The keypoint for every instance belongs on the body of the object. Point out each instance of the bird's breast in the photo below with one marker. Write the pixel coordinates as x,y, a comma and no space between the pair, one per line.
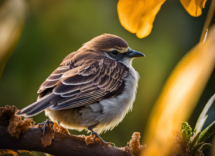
115,108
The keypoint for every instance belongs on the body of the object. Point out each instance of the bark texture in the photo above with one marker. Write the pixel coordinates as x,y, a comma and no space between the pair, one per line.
17,134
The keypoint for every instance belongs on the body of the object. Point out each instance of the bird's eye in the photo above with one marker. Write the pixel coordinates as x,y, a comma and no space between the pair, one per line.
114,52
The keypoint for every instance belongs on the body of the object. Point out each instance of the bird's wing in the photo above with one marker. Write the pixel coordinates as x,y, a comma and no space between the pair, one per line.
86,84
55,76
79,83
52,80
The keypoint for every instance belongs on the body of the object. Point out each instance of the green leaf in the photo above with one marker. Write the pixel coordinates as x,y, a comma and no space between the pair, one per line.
184,135
210,130
205,146
194,140
186,132
203,117
196,148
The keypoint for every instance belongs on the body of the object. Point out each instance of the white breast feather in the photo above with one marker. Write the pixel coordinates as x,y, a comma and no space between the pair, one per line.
115,109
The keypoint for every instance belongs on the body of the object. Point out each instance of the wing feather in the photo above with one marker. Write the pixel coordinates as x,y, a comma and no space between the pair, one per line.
53,79
78,102
86,84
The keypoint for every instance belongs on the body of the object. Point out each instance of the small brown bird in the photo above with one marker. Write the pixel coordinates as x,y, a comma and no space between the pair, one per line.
93,88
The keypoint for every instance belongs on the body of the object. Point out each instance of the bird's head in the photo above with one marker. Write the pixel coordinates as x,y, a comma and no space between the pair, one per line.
113,47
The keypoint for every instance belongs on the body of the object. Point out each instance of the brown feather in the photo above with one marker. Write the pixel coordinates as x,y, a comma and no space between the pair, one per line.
87,75
105,41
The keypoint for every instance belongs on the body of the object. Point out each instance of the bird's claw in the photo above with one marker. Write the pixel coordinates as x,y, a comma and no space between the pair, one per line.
46,124
97,136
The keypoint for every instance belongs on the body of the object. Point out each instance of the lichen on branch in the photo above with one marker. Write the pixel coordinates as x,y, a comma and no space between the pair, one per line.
19,134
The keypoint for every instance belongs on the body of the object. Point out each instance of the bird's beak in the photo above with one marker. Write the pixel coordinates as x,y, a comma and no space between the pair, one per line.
133,53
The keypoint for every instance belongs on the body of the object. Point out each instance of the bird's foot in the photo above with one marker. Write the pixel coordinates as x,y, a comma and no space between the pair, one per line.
46,124
97,136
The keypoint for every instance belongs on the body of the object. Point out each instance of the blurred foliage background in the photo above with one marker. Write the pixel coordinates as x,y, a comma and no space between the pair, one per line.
55,28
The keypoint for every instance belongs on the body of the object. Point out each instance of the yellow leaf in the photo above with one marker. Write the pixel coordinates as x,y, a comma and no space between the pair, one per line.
179,96
193,7
12,14
137,16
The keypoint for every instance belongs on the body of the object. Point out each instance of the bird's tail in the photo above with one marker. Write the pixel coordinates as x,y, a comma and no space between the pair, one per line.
38,106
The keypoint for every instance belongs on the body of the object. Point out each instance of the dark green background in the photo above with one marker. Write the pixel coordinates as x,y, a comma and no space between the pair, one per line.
55,28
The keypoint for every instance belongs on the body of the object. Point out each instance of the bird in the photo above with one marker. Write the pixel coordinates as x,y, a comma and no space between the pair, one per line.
92,89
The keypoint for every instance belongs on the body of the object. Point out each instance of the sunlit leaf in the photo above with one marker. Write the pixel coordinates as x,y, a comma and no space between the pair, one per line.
184,136
193,7
12,14
137,16
179,96
202,118
195,139
210,130
186,132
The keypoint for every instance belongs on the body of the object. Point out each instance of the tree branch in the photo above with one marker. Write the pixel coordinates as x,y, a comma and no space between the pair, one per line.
63,145
15,136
